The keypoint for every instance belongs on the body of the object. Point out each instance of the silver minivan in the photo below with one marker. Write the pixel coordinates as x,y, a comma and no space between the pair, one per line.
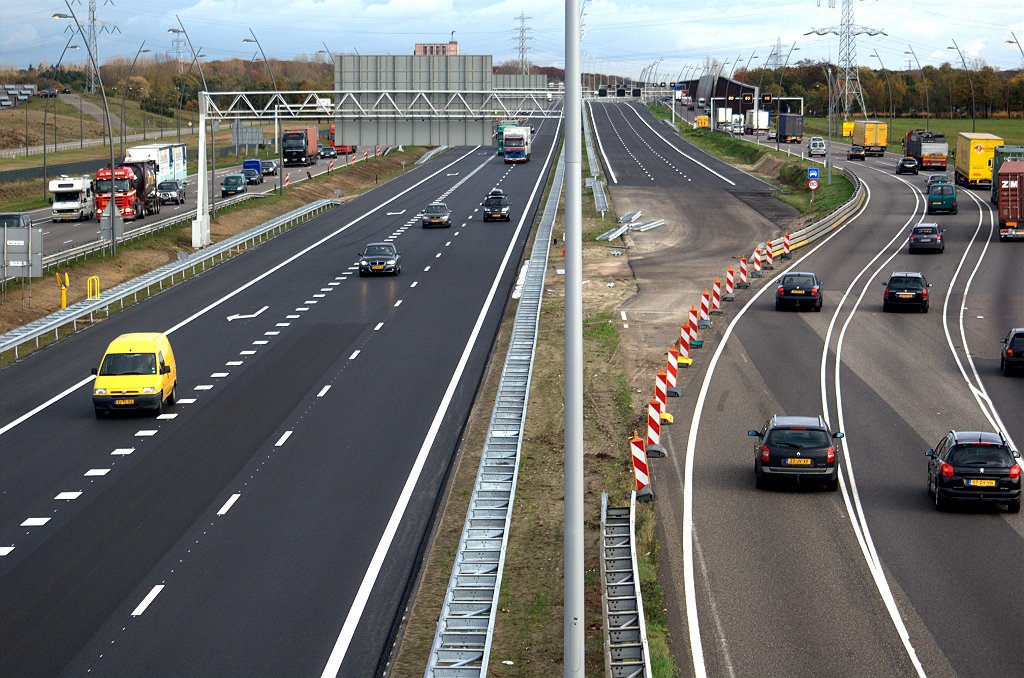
816,146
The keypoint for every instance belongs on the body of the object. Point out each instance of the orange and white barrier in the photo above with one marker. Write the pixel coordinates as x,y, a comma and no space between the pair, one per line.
287,179
716,297
757,273
705,307
684,345
743,274
672,374
378,151
768,254
330,166
366,154
653,446
785,246
641,474
729,281
692,322
661,390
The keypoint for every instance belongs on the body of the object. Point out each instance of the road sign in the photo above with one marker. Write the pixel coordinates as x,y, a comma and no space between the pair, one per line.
766,98
731,97
812,184
748,98
812,172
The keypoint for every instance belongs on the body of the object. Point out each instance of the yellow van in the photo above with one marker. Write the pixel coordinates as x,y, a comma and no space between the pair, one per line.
137,372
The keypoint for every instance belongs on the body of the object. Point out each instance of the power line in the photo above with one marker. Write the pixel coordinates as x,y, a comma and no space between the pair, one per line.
523,39
849,88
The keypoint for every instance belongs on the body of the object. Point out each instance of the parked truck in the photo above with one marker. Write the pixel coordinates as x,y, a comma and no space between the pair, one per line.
756,122
134,185
1010,185
790,128
930,149
873,135
299,146
517,143
1000,155
973,164
72,198
169,158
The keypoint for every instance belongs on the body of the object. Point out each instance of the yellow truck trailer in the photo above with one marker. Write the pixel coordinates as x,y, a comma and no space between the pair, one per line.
974,151
873,135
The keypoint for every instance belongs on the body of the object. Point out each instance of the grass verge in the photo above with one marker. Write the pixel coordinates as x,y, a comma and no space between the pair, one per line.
1010,131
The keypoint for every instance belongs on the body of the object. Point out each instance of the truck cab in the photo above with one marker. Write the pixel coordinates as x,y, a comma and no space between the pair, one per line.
73,198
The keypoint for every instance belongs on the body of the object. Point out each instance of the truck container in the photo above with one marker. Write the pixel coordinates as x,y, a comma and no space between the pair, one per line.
723,115
1000,155
517,144
170,160
974,151
499,132
72,198
790,128
134,187
756,122
930,149
1010,182
873,135
299,146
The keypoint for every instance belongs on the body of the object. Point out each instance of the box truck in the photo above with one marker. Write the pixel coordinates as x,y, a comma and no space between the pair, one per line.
974,151
72,198
298,146
756,122
517,144
873,135
1010,185
1000,155
170,160
929,149
790,128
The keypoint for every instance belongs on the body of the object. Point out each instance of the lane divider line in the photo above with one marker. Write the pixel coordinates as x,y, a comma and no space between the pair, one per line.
680,152
150,597
285,436
228,504
323,391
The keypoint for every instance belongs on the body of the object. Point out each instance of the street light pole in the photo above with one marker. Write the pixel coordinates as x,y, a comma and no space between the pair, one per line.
927,100
888,86
181,94
974,120
46,110
124,93
265,59
778,99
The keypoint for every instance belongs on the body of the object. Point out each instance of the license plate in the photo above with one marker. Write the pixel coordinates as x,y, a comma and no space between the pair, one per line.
127,401
796,291
495,216
798,461
926,239
435,221
905,296
936,203
978,482
378,268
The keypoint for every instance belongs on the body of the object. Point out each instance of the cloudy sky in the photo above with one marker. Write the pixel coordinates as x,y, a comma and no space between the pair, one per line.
621,36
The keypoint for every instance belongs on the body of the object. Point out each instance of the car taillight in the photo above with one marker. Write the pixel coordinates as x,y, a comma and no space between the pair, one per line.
781,291
886,294
814,291
1015,471
764,453
924,294
939,237
830,455
910,239
947,470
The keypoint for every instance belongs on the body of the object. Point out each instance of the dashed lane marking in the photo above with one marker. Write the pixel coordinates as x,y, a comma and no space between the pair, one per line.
283,438
228,504
35,522
124,450
148,433
97,472
69,496
150,597
323,391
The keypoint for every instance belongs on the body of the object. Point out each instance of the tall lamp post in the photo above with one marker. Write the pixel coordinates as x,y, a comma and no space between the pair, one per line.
124,93
265,59
828,156
181,94
888,86
46,110
927,99
114,215
974,120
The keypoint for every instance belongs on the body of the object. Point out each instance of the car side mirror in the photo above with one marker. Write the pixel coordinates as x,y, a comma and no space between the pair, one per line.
95,371
752,433
838,434
929,452
929,284
166,369
1016,454
883,282
1003,340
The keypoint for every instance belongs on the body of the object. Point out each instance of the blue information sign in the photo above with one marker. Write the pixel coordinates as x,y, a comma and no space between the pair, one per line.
812,172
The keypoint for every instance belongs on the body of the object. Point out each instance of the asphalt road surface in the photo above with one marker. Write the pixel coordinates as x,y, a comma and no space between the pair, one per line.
270,523
871,580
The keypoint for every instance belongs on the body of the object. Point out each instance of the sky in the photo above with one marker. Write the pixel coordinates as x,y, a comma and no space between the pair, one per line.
621,36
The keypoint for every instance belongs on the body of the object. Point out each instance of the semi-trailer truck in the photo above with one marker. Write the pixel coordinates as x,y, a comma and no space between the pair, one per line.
517,144
873,135
1010,185
756,122
72,198
1000,155
134,188
499,133
790,128
973,164
930,149
169,158
298,146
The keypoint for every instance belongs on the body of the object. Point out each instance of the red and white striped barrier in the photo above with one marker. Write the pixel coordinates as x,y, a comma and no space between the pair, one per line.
705,307
378,151
672,374
768,255
729,281
692,321
661,390
743,274
330,166
366,154
756,273
716,297
287,179
640,471
654,448
785,246
684,345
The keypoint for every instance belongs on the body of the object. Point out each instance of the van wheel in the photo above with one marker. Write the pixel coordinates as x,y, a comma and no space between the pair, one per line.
159,407
173,397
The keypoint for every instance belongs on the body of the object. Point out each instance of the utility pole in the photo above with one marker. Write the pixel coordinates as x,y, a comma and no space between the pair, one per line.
523,38
849,88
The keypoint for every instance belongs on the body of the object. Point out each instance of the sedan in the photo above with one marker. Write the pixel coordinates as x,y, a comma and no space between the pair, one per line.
437,214
907,165
798,290
252,177
926,237
497,208
976,467
936,179
269,167
905,289
856,153
380,258
328,152
1012,354
795,448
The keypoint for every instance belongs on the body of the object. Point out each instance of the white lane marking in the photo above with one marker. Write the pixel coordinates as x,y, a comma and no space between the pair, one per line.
310,301
379,325
260,342
685,155
66,241
186,401
35,522
415,283
68,495
354,354
238,316
398,303
97,472
323,391
284,437
283,325
448,244
219,375
167,417
353,268
247,353
303,308
233,363
334,283
395,214
426,269
146,433
362,596
228,504
204,387
150,597
319,296
274,333
293,317
622,314
5,550
123,450
49,402
456,232
438,255
600,146
340,277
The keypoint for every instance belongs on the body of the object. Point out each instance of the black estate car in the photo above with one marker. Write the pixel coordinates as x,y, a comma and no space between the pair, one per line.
926,237
380,258
799,290
795,448
974,466
1013,351
497,208
907,165
905,289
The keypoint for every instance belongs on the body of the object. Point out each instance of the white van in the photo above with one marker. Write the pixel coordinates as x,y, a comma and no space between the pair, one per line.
816,146
73,199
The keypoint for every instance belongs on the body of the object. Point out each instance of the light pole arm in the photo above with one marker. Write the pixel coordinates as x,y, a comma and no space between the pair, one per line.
194,52
265,59
969,82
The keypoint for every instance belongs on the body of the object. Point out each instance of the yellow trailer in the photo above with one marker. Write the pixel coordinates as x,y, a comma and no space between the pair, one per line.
873,135
974,151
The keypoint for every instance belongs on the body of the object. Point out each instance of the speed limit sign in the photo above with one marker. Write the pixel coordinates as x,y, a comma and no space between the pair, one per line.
812,184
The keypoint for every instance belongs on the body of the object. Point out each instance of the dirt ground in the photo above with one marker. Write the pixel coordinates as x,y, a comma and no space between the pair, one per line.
143,255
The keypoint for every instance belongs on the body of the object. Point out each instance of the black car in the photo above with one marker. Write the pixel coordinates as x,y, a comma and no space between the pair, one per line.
252,177
799,290
907,165
380,258
437,214
856,153
269,167
905,289
926,237
171,191
974,466
497,208
496,193
1012,355
66,90
795,448
328,152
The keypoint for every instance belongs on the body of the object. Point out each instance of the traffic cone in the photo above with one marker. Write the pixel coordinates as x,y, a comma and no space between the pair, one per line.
640,470
729,280
654,448
716,297
743,274
785,246
672,372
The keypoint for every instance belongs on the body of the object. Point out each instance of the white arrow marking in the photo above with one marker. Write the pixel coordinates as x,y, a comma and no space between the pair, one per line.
395,214
238,316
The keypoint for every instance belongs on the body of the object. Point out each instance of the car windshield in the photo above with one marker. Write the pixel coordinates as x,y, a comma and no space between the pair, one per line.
1017,342
436,209
798,281
906,282
800,439
296,141
495,202
167,186
938,178
249,172
980,455
378,251
856,149
232,181
67,196
116,364
103,185
10,220
268,163
942,189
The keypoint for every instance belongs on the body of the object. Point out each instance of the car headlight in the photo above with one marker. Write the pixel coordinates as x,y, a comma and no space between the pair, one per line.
364,263
303,157
148,389
504,209
391,262
99,391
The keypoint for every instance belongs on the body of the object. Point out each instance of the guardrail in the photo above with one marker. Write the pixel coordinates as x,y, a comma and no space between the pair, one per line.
64,322
833,219
462,642
600,199
595,167
626,652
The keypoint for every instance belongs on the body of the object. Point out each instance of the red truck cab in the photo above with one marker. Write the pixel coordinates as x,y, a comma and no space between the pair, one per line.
124,188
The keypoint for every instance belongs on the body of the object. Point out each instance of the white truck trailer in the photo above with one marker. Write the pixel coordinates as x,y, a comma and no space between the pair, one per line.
73,198
170,160
756,122
517,144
